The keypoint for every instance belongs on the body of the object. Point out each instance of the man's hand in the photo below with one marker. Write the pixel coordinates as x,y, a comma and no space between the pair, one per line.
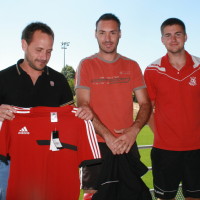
6,112
126,140
121,144
128,135
110,139
85,113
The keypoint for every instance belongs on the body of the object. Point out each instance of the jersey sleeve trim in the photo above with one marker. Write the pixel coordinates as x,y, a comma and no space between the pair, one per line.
196,61
92,139
138,88
82,87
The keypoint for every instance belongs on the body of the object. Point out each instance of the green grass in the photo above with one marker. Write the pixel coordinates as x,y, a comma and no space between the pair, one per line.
81,195
145,137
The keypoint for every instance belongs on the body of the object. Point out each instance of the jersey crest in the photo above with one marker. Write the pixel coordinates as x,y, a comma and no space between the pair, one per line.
193,81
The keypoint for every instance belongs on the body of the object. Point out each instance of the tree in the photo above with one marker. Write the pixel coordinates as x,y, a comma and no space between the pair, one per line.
69,74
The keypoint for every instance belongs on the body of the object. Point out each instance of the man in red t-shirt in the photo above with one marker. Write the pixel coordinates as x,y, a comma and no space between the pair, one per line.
105,82
173,86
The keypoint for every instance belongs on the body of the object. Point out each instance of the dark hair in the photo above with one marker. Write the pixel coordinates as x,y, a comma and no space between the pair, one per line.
108,16
30,29
172,21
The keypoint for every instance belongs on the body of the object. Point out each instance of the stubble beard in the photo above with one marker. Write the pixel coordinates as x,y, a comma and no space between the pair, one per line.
33,66
176,51
104,50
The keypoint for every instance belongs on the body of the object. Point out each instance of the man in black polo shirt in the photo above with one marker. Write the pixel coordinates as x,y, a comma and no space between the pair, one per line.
31,82
17,87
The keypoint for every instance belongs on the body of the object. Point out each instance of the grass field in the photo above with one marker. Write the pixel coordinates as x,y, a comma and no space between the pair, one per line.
145,137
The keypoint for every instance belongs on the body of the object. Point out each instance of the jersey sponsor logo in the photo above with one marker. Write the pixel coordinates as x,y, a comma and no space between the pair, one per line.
193,81
24,131
125,72
110,80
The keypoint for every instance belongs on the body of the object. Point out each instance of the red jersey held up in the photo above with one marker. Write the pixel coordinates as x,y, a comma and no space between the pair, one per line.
37,171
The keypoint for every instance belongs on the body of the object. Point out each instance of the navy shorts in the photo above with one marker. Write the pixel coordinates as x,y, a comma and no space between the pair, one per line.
90,174
170,168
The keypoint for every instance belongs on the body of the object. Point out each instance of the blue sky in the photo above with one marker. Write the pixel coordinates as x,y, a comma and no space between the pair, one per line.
74,21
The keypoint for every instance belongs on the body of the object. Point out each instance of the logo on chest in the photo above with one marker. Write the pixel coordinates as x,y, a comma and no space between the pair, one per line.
24,131
110,80
193,81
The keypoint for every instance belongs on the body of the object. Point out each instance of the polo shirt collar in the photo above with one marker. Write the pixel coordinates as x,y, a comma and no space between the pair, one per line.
189,61
20,70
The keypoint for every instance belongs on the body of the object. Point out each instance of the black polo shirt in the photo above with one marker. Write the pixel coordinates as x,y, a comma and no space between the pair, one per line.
17,89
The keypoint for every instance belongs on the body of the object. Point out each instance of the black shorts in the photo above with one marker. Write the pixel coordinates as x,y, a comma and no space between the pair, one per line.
170,168
89,174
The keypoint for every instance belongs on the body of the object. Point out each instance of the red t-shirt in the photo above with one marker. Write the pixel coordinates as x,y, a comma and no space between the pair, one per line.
176,95
38,173
111,86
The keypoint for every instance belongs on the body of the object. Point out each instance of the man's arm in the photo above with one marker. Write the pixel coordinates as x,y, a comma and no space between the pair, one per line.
151,122
83,100
129,135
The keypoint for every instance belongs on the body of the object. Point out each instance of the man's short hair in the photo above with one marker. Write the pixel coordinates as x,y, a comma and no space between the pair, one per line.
109,16
172,21
30,29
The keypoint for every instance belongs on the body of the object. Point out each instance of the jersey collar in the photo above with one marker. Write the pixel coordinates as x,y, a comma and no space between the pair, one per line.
21,71
189,62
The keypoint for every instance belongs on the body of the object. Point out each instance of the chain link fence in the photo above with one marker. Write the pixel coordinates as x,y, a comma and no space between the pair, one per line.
179,195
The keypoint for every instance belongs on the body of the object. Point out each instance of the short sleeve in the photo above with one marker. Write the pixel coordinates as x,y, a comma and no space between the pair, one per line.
137,77
67,95
82,79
